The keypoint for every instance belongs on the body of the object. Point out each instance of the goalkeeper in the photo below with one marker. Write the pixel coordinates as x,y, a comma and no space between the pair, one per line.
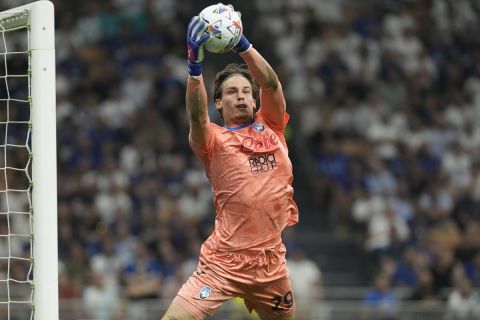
248,167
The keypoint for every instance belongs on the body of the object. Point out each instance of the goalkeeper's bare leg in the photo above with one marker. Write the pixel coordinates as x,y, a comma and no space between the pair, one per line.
175,312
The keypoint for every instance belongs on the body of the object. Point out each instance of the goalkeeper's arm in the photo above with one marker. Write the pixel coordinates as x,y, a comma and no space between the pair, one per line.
196,95
272,100
196,100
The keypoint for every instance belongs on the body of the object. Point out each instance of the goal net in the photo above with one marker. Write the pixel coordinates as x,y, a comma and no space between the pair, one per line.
28,227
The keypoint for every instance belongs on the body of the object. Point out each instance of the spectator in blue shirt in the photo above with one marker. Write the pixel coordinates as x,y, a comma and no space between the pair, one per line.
380,303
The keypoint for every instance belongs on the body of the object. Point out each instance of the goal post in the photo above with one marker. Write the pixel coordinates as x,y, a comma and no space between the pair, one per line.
44,163
43,274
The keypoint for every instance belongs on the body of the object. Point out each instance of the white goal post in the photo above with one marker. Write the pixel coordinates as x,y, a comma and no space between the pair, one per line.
43,184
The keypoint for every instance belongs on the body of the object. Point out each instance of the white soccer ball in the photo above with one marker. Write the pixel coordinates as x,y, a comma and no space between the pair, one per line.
225,26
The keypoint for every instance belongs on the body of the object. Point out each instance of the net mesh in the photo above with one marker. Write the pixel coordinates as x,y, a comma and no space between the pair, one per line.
16,213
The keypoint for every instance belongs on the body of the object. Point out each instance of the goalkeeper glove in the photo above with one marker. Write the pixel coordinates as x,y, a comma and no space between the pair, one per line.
242,46
196,38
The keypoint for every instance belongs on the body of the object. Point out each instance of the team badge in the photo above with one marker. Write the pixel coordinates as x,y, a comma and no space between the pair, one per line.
205,292
259,127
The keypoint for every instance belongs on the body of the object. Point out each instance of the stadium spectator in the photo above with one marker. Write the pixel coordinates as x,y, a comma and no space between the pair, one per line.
306,280
381,303
100,298
463,302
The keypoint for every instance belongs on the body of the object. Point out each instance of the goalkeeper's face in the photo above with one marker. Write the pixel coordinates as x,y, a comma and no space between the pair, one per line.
236,103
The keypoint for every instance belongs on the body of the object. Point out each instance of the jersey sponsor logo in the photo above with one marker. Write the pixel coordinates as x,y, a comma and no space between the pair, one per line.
259,127
264,142
262,163
205,292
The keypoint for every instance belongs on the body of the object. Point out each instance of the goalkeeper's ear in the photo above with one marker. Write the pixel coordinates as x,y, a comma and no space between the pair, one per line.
219,108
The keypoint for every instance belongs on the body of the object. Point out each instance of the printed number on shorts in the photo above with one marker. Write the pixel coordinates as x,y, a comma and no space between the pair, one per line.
287,301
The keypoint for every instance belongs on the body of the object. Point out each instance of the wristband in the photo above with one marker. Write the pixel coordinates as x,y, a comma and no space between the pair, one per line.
242,46
194,69
194,77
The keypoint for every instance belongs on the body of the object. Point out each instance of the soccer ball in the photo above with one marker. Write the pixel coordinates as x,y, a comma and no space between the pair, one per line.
225,26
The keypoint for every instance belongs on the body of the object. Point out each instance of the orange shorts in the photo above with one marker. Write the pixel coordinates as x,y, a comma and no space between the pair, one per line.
205,292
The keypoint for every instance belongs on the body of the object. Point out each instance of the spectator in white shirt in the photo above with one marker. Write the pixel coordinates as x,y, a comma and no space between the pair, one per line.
306,279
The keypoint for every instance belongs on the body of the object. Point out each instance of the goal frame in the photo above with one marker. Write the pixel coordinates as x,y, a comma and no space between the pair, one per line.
44,163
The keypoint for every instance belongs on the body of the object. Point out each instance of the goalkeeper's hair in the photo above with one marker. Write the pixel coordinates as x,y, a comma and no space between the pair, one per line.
231,70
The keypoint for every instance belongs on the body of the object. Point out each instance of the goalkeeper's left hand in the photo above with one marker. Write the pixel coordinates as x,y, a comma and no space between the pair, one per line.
196,38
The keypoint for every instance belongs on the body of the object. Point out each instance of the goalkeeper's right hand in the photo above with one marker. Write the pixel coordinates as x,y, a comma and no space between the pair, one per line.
196,38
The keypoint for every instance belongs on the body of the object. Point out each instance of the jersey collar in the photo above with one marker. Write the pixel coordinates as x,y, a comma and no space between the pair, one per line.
240,126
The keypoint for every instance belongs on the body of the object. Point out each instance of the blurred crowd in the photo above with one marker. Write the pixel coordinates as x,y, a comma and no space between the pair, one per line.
389,93
385,104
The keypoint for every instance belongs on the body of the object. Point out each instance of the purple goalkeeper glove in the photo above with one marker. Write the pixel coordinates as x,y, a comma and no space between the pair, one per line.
242,46
196,38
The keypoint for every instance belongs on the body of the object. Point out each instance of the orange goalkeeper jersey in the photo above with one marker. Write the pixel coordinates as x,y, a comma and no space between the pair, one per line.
251,176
